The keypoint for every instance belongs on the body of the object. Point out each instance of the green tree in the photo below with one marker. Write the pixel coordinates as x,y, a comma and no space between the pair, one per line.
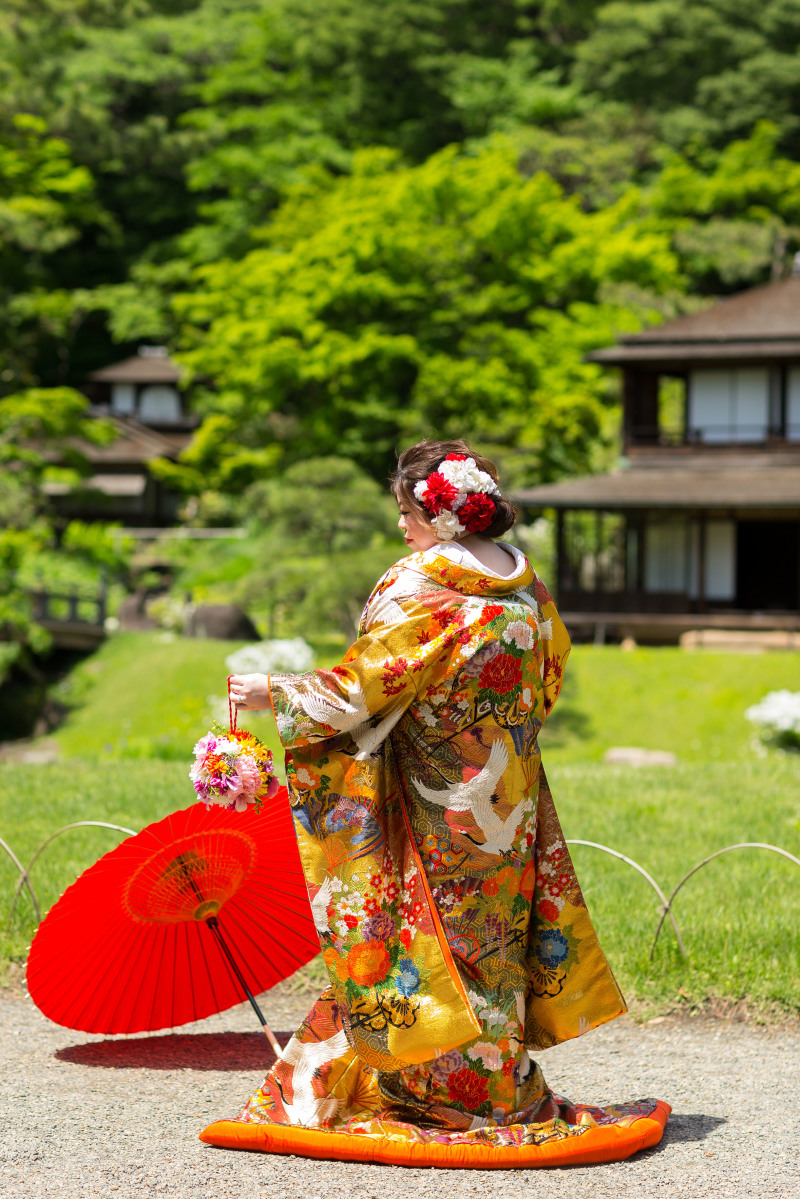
452,297
47,204
323,531
735,220
708,70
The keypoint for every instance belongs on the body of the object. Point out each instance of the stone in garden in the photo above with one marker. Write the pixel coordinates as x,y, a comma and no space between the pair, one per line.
224,622
132,614
633,755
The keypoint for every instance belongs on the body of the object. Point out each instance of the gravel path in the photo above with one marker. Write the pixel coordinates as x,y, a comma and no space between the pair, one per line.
82,1116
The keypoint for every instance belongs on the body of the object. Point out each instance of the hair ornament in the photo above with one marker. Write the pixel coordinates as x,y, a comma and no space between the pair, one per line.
457,497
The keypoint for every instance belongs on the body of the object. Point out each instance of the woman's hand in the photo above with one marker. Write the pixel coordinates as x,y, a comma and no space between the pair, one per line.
249,691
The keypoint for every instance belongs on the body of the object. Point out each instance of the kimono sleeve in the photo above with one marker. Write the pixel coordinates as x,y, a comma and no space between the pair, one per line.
378,679
555,646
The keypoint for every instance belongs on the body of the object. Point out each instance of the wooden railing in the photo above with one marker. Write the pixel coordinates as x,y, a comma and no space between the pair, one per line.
73,620
59,607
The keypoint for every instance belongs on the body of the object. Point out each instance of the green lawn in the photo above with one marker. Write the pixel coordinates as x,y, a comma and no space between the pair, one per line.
690,703
149,695
740,916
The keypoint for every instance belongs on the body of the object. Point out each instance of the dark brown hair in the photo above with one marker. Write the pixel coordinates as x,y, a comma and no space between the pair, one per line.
422,459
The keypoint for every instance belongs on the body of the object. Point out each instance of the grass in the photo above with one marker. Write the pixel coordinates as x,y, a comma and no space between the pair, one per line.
739,915
149,695
690,703
37,800
144,697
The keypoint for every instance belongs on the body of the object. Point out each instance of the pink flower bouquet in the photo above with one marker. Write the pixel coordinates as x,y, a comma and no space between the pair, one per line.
233,769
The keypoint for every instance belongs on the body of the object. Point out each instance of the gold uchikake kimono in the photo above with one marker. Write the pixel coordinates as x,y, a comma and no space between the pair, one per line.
450,919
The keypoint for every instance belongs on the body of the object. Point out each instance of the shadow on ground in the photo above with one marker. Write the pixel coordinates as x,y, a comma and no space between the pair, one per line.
178,1051
685,1128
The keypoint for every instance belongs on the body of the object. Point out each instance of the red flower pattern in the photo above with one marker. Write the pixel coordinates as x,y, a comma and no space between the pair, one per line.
445,617
502,674
548,911
540,592
489,612
553,669
468,1088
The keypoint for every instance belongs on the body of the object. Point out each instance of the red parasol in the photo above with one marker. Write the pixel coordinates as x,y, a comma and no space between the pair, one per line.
189,917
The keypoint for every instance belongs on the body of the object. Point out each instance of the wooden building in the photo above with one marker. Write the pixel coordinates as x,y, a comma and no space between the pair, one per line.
142,398
701,526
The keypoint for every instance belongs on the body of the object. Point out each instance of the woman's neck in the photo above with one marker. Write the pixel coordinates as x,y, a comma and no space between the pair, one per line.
489,554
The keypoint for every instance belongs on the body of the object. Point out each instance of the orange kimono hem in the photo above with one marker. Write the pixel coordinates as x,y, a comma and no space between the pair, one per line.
604,1143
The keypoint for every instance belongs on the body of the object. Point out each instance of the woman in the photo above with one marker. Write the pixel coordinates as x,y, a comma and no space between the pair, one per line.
449,915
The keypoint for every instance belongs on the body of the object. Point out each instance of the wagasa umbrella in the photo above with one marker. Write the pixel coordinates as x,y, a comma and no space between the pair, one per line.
192,915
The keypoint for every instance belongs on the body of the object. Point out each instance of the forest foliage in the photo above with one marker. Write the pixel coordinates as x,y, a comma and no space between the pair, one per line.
360,220
357,222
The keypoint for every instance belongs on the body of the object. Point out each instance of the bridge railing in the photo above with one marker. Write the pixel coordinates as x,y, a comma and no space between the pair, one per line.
57,607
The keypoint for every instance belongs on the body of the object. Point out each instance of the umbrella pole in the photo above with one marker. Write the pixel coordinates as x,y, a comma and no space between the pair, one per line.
213,924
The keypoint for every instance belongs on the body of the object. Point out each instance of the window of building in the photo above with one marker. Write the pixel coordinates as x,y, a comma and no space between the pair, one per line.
729,405
123,399
719,554
666,557
793,403
594,544
159,404
671,409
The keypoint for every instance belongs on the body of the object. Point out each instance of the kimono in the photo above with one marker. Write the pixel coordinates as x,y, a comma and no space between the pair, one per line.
450,918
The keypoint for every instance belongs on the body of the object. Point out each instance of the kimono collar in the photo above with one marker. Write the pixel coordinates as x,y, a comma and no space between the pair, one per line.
467,575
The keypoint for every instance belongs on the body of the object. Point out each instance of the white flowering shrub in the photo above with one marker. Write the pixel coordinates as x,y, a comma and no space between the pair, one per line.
778,718
169,611
290,656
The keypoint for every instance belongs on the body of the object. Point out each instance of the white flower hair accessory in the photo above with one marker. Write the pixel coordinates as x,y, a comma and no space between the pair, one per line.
458,497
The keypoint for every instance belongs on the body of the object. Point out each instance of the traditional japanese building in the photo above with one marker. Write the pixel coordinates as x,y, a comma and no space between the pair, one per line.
700,527
141,396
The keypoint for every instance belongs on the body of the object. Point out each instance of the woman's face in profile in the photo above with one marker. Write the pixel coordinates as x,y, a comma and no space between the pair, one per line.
418,534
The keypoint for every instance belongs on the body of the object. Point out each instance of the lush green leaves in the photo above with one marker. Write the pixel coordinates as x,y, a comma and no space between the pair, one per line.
710,70
308,200
453,297
323,530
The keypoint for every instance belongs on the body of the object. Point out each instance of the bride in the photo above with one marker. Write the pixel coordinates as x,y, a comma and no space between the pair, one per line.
450,919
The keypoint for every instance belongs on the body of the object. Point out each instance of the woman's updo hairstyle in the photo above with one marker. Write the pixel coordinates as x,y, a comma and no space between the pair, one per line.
416,464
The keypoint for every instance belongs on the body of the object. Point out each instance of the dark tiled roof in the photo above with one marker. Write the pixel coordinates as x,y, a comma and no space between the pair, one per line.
673,487
692,352
139,369
763,322
134,444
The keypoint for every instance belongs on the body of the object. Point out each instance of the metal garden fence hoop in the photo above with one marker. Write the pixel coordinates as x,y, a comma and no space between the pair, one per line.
25,872
728,849
23,880
665,903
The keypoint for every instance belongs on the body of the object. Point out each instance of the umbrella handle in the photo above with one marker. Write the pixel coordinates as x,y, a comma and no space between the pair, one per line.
213,924
233,711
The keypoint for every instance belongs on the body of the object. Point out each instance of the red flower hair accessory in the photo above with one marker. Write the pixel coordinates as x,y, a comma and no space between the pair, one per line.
458,497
